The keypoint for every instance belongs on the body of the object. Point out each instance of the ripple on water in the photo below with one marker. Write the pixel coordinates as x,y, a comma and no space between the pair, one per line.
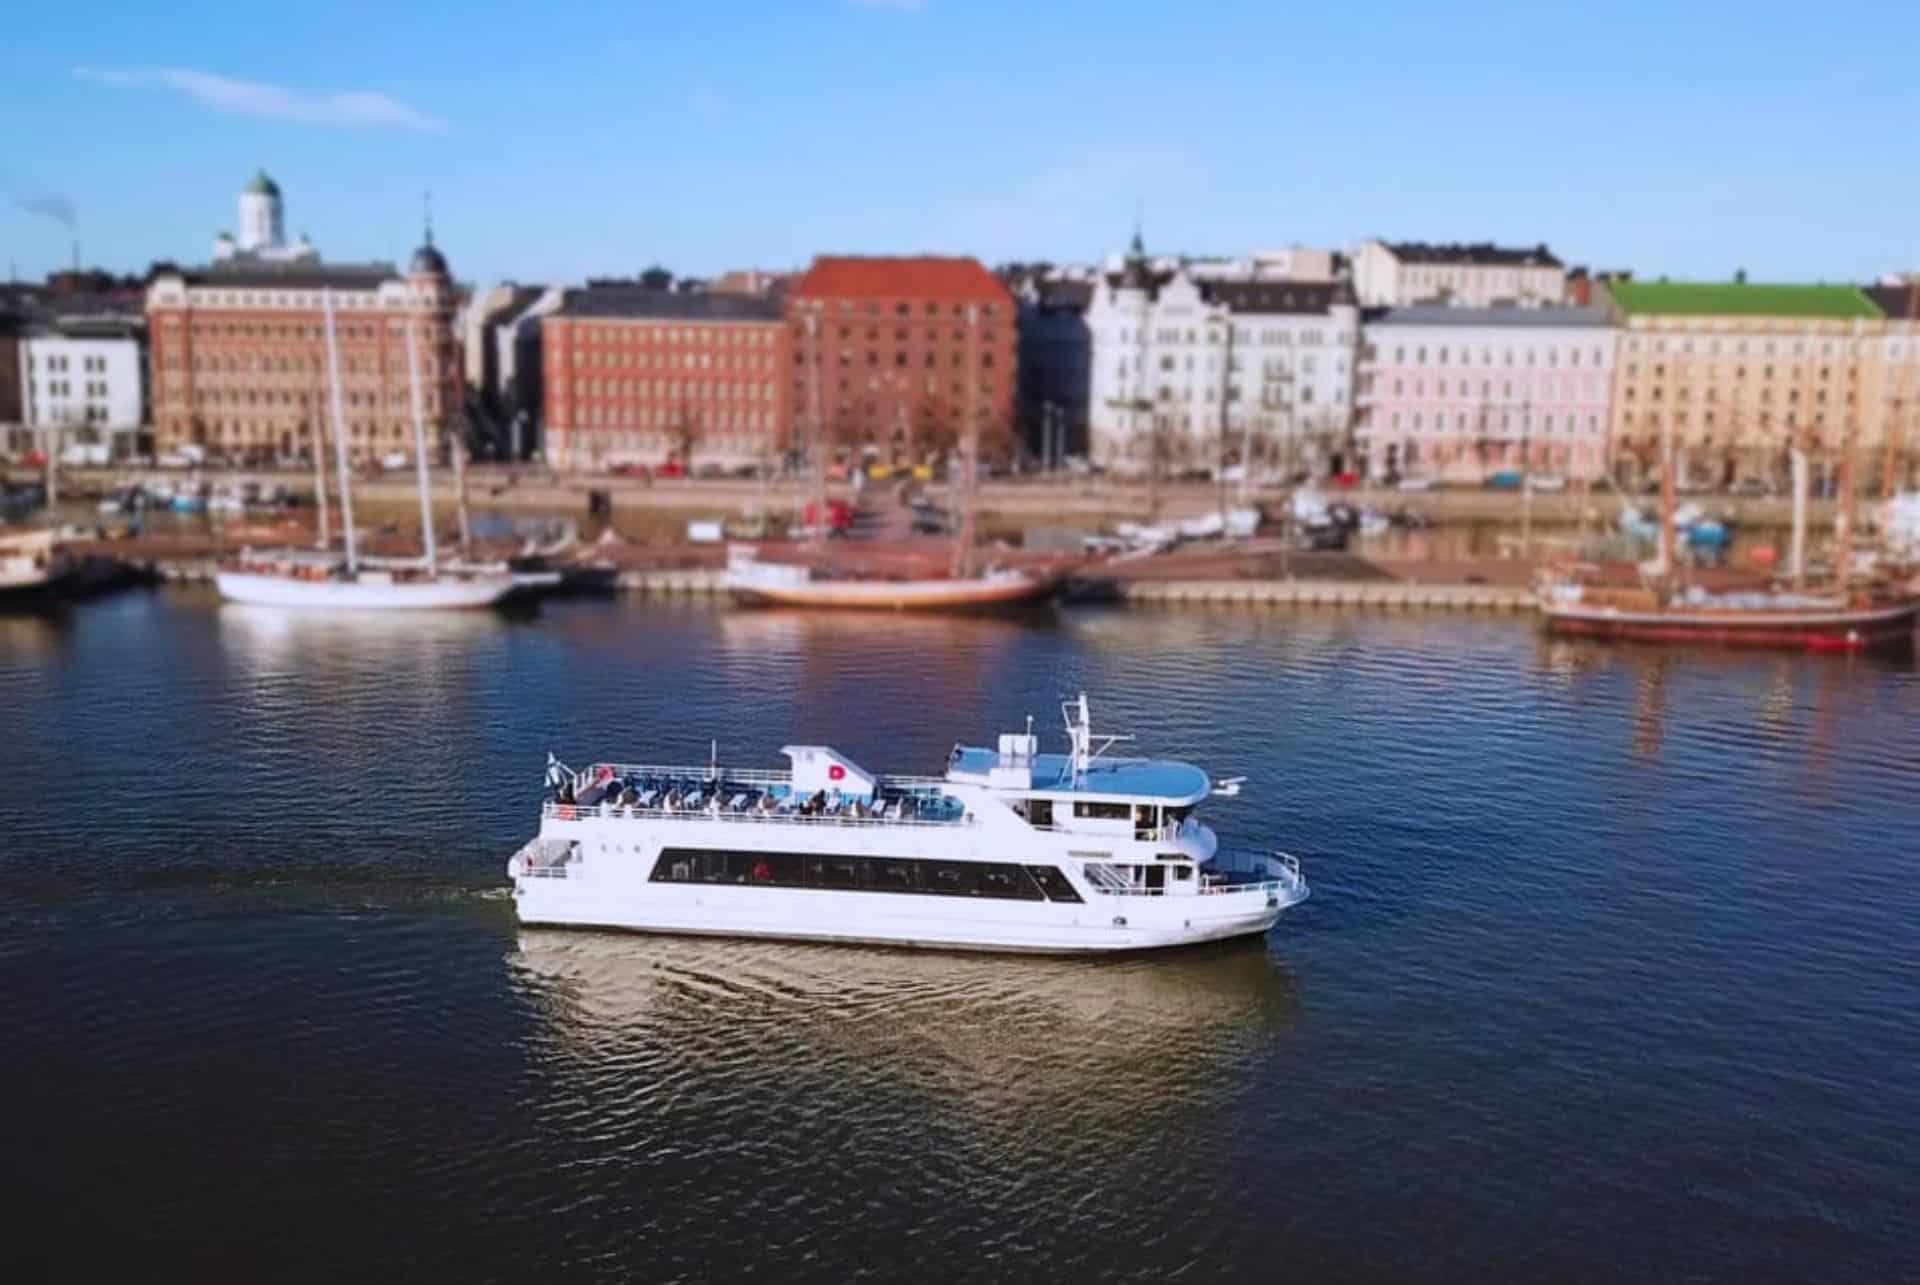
1603,974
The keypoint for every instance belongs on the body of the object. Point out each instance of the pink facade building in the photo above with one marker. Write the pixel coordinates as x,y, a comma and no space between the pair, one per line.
1457,394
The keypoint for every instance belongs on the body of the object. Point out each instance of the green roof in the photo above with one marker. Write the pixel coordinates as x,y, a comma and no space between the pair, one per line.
1731,298
261,185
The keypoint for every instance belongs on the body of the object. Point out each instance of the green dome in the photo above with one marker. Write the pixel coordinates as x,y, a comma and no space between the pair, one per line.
261,185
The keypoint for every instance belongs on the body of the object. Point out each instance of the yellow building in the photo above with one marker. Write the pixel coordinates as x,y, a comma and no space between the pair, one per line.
1738,372
1897,405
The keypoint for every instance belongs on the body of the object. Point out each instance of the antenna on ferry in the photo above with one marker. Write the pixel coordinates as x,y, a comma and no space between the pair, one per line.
1080,734
713,759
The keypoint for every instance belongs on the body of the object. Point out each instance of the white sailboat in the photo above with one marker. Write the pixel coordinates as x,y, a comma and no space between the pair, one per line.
391,584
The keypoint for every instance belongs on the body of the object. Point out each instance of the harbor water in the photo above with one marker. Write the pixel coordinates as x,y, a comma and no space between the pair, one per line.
1609,972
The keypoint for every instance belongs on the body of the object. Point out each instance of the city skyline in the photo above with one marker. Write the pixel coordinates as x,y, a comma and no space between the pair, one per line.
1748,139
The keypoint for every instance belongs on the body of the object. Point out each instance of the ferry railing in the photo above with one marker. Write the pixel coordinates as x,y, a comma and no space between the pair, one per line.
1283,876
615,811
587,777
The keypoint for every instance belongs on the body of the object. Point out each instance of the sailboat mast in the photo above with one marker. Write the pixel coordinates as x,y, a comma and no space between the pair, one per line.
969,451
420,451
340,437
1798,556
1843,553
319,449
1666,496
818,433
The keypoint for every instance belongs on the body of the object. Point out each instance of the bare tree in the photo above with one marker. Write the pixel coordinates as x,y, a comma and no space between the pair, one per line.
685,432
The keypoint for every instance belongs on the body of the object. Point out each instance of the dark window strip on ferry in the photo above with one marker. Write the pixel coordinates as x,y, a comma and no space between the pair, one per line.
863,874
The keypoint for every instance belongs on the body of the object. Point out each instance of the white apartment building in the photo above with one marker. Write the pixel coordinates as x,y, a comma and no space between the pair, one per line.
1193,371
85,374
1458,394
1397,274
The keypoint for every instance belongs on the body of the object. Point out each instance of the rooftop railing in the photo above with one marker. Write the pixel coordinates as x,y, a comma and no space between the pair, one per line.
707,772
720,812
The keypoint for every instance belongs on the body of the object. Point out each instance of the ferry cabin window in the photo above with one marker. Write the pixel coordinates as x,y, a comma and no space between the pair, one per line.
1053,883
999,880
1040,813
1093,811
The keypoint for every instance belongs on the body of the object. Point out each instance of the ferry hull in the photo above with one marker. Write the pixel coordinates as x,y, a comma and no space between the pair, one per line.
1875,629
346,595
1093,927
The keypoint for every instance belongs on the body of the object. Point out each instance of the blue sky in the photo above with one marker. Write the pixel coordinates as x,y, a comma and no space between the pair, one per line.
561,139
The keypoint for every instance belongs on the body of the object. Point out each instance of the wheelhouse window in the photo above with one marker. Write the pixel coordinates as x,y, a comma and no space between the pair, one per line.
1096,811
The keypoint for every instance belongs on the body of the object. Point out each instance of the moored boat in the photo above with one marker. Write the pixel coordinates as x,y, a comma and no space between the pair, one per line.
319,581
322,582
759,583
1009,849
1761,618
32,563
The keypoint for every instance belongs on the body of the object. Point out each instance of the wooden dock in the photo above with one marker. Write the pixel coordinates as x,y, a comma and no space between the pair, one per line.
1360,595
1381,595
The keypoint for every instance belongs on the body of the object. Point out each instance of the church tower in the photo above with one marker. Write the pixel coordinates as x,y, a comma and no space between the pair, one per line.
262,220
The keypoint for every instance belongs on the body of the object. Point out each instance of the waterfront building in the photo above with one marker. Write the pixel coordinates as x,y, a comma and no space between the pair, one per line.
13,380
1292,263
238,353
1737,372
1897,408
1190,371
87,376
521,371
1056,365
893,351
263,229
488,366
643,376
1461,393
749,281
1396,274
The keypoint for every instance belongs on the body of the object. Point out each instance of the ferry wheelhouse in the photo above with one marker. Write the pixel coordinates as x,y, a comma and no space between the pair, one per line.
1010,849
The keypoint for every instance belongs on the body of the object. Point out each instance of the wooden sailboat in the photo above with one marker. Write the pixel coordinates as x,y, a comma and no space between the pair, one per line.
754,581
1663,609
363,584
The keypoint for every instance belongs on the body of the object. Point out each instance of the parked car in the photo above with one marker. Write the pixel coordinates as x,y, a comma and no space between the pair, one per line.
1752,486
839,517
395,460
1549,482
1507,479
1415,484
1344,481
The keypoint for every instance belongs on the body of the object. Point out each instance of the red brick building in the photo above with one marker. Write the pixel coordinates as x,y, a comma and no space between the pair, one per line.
237,355
638,375
897,349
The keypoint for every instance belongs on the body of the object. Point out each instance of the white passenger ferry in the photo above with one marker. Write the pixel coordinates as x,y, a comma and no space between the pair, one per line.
1011,849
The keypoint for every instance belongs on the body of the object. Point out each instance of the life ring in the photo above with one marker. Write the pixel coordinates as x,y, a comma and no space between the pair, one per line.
602,774
563,812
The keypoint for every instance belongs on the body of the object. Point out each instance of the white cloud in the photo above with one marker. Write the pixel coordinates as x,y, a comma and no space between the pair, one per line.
898,6
271,102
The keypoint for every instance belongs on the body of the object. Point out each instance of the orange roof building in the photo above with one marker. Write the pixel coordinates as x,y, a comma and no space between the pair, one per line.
896,352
